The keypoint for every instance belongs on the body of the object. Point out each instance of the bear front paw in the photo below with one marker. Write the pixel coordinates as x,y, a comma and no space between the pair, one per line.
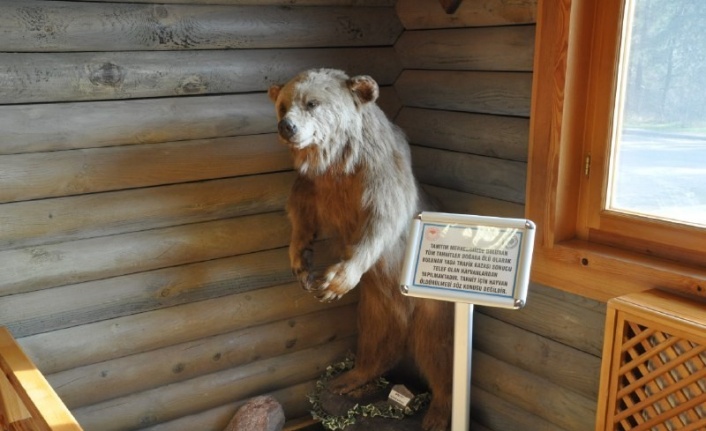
337,281
301,262
305,278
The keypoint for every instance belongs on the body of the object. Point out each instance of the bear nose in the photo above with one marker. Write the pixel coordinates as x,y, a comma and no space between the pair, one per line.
286,128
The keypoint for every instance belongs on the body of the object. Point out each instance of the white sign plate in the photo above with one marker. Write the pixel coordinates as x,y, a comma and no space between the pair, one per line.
472,259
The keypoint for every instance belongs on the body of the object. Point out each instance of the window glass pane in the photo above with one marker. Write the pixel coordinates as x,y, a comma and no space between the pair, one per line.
658,164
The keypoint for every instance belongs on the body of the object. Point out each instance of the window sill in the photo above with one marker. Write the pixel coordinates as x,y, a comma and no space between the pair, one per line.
601,272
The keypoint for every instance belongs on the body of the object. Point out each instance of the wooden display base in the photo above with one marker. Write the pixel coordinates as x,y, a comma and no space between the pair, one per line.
339,405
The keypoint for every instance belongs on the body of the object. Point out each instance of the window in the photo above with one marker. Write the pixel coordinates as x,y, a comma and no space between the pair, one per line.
658,157
615,214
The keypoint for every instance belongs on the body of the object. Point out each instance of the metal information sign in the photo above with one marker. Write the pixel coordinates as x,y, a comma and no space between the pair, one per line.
472,259
468,260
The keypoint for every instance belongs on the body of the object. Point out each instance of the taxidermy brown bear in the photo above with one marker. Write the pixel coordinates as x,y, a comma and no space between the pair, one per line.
355,183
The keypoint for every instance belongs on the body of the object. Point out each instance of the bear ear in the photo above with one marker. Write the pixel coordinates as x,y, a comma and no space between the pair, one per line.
364,87
273,92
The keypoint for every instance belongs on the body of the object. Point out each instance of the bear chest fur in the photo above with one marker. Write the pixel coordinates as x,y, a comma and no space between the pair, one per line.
339,206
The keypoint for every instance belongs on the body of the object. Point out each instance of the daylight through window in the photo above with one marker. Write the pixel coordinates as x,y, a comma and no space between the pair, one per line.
658,161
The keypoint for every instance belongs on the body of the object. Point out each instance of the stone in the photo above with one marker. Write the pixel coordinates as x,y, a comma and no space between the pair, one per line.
261,413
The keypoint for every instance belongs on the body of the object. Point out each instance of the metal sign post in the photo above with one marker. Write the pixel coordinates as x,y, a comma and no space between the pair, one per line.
468,260
463,346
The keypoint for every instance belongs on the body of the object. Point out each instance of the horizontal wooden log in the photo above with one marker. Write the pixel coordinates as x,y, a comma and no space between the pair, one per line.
540,397
55,26
389,102
569,319
502,93
75,172
487,135
120,377
509,48
79,304
293,399
191,396
65,77
52,265
53,220
561,295
541,356
465,203
424,14
64,126
498,414
480,175
109,339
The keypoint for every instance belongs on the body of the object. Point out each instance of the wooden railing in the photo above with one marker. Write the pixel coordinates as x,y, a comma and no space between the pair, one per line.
27,401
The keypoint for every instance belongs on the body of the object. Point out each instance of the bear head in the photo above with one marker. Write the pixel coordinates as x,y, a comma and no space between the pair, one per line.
320,115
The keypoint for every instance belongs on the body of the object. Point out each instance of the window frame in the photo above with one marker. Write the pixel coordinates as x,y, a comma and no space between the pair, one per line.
574,75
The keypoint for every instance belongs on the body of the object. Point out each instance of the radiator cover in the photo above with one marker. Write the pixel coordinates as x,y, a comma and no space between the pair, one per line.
653,373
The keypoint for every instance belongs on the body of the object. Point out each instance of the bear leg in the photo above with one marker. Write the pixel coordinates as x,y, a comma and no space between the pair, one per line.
382,334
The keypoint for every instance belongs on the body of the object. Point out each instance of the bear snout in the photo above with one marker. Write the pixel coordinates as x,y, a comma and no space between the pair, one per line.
286,128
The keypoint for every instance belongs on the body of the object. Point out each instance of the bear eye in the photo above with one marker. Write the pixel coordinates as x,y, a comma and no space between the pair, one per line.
311,104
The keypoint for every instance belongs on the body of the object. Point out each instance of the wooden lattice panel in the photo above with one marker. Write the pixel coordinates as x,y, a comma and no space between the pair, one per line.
654,364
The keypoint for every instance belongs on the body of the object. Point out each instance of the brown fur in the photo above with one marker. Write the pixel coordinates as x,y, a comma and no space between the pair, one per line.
355,183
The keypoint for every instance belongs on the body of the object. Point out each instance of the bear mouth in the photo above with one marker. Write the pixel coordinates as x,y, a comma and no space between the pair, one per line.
289,143
296,144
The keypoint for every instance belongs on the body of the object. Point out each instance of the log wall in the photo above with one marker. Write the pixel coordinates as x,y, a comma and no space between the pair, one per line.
142,187
465,90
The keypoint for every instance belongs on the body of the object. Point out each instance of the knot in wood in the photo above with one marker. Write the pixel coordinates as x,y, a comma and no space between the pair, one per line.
107,74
